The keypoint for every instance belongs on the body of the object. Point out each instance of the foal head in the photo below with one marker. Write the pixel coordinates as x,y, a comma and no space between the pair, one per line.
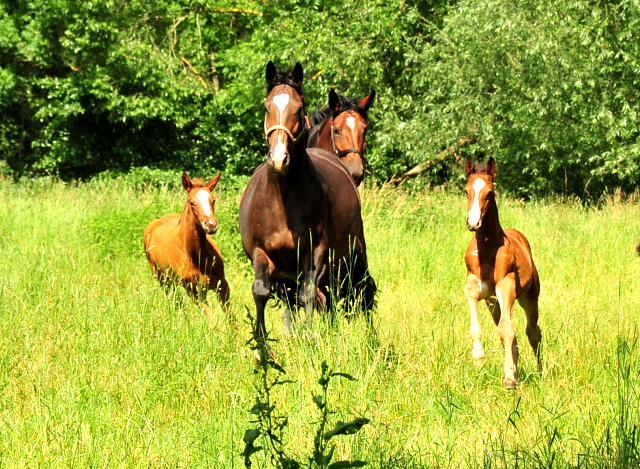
349,129
284,114
479,190
201,202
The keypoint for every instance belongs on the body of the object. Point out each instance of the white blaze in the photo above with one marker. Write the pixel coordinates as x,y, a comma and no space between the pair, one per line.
281,102
280,150
474,213
351,122
203,197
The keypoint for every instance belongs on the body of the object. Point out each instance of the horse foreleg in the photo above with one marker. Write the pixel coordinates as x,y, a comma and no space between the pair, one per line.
473,292
261,289
506,293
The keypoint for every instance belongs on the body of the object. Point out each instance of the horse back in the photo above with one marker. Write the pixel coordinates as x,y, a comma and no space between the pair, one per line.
159,240
344,201
526,272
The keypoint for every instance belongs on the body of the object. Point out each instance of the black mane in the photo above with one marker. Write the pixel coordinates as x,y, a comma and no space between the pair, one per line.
319,116
283,77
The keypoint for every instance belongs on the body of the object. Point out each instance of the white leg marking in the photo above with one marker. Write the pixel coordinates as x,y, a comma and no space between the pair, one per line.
203,197
474,213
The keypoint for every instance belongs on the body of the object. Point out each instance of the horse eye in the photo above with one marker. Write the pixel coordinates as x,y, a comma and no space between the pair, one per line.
337,132
266,109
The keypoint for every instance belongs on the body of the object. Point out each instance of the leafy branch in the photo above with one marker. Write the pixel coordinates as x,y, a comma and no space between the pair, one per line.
269,423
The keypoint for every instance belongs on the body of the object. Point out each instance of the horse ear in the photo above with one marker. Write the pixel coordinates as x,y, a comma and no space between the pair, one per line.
271,72
296,74
334,100
367,101
214,181
186,182
491,167
469,166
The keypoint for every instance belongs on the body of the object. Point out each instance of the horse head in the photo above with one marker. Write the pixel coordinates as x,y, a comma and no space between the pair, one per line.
479,190
284,121
349,129
202,202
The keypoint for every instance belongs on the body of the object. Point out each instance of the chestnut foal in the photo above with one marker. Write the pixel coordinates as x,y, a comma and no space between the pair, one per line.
500,270
179,248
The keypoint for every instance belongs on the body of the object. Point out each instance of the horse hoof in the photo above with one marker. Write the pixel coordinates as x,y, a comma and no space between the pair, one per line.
480,361
478,352
509,383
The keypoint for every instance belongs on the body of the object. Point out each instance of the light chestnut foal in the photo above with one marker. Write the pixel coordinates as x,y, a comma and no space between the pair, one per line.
179,248
500,270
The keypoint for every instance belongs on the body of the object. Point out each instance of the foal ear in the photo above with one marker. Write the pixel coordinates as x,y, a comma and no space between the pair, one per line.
271,72
186,182
214,181
367,101
469,166
491,167
334,100
296,74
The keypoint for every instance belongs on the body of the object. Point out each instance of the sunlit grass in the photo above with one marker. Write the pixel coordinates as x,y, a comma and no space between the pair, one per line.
98,368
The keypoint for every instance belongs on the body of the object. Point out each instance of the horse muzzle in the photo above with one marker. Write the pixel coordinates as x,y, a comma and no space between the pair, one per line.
474,226
278,162
210,227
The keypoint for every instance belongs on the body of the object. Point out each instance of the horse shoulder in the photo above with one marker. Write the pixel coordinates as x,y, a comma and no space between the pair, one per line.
471,258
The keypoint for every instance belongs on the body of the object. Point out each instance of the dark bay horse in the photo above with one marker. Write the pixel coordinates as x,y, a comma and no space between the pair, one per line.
300,218
500,269
341,128
179,248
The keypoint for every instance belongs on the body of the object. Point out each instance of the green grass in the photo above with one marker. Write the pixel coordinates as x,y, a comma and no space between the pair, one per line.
98,368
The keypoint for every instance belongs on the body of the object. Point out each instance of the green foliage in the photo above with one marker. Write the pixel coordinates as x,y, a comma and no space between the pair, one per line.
549,88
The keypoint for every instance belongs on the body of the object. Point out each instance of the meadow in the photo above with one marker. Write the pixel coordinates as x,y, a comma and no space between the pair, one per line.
100,368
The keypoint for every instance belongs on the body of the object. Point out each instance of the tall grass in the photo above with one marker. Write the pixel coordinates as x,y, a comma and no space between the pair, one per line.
99,368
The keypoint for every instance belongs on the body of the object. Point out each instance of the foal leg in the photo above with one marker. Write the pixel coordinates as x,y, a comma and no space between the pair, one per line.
529,302
473,292
506,293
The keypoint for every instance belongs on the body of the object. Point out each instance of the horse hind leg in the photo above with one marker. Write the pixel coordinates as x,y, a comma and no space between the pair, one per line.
529,303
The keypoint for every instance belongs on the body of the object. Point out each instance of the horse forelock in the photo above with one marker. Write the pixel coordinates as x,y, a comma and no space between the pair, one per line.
320,116
481,168
197,183
283,78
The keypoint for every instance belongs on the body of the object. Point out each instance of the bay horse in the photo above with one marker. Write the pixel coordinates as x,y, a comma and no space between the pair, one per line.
180,249
300,219
500,269
341,128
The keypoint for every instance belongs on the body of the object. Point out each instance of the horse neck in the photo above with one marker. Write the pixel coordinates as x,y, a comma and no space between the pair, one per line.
324,136
490,229
191,232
